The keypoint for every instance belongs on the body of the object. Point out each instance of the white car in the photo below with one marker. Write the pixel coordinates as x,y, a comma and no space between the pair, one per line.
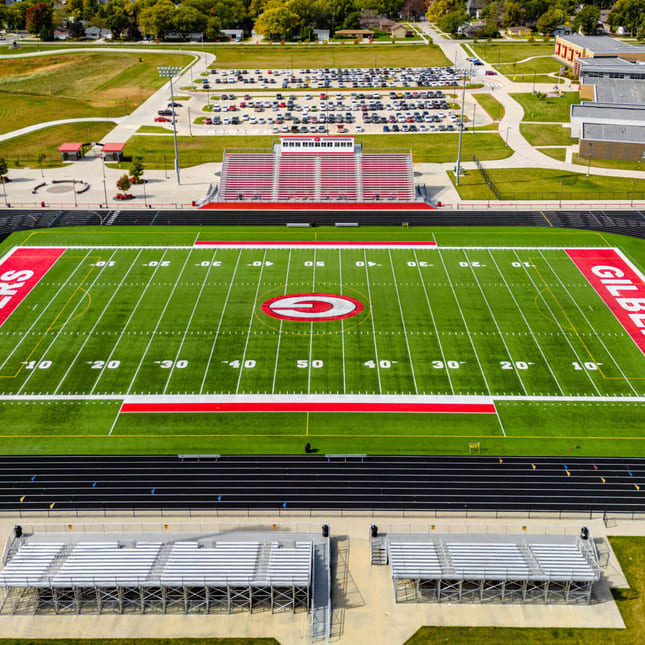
226,121
359,128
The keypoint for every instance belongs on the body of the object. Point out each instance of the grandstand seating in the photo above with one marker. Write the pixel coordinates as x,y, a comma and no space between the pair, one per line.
387,177
317,177
247,175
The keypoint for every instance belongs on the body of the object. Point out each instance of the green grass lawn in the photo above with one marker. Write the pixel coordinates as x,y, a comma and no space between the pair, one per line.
630,552
25,149
426,148
556,153
509,52
77,84
546,134
543,183
154,305
609,163
547,109
494,108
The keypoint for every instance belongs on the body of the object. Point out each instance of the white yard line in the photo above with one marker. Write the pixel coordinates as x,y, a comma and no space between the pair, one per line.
463,318
434,324
96,323
221,317
163,313
535,340
564,286
538,292
134,310
369,297
311,328
499,331
405,331
190,320
44,310
277,351
342,322
248,331
68,318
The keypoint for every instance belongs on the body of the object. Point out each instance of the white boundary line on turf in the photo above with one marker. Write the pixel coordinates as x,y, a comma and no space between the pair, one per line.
365,244
320,398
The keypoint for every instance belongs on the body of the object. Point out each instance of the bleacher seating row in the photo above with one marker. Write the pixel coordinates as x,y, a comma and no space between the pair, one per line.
360,177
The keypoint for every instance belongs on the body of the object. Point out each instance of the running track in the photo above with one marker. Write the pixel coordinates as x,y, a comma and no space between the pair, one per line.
314,482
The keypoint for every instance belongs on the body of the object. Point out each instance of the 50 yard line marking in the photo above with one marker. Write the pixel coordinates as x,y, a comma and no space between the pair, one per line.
311,326
42,313
405,331
248,331
546,362
277,351
342,322
369,297
190,320
127,324
219,324
163,313
69,317
499,331
96,323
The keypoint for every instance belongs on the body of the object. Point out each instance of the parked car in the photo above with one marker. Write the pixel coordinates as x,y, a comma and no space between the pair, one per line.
162,119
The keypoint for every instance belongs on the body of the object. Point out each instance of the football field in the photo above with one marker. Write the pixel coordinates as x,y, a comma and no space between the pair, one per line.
324,327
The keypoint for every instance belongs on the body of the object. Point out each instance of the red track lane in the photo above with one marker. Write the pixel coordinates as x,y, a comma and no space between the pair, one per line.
446,408
317,206
305,243
20,272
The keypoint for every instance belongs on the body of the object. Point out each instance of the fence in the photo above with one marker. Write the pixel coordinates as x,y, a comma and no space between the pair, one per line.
490,183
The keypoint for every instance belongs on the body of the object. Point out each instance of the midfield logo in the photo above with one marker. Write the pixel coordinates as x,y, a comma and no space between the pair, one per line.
312,307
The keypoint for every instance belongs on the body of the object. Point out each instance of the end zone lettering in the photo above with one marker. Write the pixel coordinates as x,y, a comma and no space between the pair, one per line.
20,272
620,287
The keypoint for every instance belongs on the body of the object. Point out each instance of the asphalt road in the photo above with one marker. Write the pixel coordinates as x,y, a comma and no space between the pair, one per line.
314,482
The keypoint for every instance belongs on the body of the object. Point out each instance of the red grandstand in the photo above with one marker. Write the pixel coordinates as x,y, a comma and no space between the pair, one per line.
316,172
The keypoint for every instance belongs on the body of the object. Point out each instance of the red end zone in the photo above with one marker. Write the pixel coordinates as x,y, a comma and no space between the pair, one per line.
331,406
20,272
618,284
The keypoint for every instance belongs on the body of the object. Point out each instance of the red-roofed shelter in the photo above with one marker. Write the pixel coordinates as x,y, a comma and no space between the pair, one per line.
70,151
113,151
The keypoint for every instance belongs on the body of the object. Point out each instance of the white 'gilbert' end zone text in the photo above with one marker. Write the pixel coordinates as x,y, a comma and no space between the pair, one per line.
10,283
615,282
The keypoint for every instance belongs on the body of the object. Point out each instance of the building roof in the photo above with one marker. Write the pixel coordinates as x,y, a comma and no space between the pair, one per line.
603,44
488,557
70,147
354,31
613,132
623,91
608,111
606,64
113,147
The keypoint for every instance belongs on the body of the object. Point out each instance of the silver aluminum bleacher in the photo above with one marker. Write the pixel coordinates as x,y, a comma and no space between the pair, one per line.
30,564
562,561
489,560
414,560
290,565
107,564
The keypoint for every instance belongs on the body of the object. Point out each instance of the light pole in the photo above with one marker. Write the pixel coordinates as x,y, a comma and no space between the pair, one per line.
170,72
145,196
461,132
105,194
190,130
4,190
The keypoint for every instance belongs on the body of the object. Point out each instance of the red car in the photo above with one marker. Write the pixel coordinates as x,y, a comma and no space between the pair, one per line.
490,72
162,119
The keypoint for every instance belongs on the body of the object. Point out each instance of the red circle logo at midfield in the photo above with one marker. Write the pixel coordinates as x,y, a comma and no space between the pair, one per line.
312,307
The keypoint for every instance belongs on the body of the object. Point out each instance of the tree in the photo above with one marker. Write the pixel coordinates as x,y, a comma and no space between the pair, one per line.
277,21
450,22
136,170
586,19
123,184
188,19
117,22
514,15
76,29
440,8
628,13
547,22
157,20
413,8
38,17
4,169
